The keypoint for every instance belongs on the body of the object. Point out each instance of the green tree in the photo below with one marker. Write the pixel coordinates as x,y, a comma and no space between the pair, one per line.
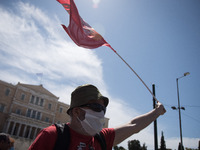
162,142
144,147
118,148
135,145
179,147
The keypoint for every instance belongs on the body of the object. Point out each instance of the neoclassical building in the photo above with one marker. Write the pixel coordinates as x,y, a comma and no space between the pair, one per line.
26,109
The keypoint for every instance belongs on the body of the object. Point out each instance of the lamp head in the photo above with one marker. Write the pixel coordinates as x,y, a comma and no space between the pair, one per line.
173,107
183,108
187,73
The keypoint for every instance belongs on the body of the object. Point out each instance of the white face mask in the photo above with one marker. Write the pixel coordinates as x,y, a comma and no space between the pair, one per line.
93,122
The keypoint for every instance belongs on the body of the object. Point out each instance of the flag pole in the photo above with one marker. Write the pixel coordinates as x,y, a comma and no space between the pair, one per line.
135,74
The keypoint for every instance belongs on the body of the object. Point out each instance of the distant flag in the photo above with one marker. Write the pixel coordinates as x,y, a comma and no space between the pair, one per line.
80,31
40,76
85,36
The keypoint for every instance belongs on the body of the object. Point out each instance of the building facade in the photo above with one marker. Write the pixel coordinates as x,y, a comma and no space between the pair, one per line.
26,109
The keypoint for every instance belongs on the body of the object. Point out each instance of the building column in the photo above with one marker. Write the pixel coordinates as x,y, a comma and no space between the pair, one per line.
35,132
13,128
29,134
24,132
8,125
19,128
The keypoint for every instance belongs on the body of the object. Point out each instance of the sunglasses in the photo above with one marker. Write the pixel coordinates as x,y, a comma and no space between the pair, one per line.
95,107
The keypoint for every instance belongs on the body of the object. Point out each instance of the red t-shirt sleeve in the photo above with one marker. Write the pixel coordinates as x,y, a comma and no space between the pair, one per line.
109,134
45,140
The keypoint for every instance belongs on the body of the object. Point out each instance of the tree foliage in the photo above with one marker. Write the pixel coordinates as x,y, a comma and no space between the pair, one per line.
118,148
135,145
179,147
162,142
190,149
144,147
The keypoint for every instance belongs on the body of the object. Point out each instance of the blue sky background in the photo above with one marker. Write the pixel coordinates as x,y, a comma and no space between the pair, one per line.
159,39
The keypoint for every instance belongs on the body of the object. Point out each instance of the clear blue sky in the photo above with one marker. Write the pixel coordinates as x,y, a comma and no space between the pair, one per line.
159,39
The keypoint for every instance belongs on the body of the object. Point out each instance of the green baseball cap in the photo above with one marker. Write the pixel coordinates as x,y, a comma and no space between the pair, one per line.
85,93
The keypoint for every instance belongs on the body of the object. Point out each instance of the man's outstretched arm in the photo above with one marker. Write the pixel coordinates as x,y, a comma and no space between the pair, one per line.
137,124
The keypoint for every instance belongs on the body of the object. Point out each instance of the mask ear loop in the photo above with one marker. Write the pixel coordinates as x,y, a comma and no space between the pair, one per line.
82,114
80,121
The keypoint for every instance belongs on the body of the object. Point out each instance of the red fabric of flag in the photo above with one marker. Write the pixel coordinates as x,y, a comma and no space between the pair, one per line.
80,31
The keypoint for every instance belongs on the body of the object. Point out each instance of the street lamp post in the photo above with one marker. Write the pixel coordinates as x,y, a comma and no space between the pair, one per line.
179,108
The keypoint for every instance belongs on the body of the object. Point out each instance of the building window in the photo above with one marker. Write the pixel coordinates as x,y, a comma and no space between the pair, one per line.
49,106
38,115
7,92
37,101
28,114
18,111
2,107
32,99
33,114
22,96
41,102
46,119
61,109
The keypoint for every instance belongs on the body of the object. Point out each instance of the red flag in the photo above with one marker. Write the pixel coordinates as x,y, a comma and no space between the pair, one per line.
85,36
80,31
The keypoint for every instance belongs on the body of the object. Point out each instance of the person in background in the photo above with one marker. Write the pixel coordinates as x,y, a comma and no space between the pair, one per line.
12,142
4,141
87,111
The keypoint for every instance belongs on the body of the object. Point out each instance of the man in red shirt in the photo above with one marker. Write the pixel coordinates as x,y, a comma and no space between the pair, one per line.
87,110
